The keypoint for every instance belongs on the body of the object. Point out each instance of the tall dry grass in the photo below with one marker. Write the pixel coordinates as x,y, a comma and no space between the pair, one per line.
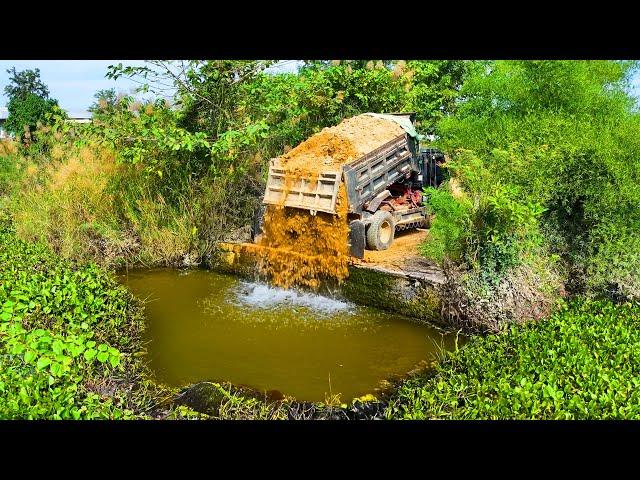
66,202
89,208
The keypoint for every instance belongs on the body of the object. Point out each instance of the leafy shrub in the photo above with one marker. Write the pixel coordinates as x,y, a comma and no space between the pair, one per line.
579,364
448,235
565,135
480,221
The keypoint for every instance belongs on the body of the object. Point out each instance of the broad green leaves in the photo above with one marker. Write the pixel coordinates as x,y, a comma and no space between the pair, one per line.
576,365
44,368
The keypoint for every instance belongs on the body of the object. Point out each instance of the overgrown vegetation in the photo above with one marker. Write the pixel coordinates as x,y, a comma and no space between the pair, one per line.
72,346
544,161
578,364
543,198
153,184
70,338
29,103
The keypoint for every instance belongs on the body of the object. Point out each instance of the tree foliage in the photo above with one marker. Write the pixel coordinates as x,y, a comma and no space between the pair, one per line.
105,103
29,102
564,135
206,90
26,112
25,82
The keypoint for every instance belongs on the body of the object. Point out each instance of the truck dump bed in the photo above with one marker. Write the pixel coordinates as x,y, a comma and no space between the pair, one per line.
314,194
364,178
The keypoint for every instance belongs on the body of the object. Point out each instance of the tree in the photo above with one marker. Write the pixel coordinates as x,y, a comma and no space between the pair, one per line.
29,101
25,82
206,90
104,104
435,86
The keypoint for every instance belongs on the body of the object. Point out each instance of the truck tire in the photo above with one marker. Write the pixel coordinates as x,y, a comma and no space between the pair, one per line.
381,231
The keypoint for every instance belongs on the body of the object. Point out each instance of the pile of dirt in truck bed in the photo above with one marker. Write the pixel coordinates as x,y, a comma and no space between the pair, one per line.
332,147
297,248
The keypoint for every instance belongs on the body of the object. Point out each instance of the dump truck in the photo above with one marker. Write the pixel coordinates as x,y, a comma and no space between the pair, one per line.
383,188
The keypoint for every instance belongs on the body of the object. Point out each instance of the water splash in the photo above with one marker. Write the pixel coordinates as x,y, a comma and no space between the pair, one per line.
260,295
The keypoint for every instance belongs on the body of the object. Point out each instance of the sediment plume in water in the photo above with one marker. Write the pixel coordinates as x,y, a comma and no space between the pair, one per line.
297,248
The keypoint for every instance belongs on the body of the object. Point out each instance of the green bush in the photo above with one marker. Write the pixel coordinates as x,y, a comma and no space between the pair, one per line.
565,136
448,235
70,338
26,113
579,364
488,225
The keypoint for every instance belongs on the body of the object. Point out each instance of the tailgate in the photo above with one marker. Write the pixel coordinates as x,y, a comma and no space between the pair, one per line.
317,194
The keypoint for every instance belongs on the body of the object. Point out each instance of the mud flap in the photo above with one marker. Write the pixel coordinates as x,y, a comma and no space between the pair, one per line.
356,238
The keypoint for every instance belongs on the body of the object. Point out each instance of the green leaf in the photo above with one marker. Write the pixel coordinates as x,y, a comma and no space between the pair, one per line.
102,356
42,363
57,347
29,355
89,354
55,369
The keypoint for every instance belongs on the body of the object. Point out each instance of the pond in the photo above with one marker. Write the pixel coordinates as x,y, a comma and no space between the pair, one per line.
208,326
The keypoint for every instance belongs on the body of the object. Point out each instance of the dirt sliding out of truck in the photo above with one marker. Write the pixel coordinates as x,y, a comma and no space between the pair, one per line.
346,188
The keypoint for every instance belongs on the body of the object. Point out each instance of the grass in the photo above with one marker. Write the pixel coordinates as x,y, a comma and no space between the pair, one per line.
88,207
578,364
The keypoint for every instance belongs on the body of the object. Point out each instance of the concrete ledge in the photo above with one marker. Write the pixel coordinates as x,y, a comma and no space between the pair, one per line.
415,296
412,292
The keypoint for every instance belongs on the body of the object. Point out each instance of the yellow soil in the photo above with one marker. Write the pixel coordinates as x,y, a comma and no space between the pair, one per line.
402,254
298,248
334,146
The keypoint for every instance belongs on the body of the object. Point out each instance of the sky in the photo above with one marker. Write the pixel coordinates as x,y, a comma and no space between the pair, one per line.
74,82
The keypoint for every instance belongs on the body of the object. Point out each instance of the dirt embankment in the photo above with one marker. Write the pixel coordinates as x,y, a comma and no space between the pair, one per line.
297,248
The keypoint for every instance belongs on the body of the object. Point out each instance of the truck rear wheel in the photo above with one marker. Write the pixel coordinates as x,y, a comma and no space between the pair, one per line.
381,231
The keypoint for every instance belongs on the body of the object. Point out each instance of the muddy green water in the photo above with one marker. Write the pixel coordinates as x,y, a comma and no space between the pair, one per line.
204,325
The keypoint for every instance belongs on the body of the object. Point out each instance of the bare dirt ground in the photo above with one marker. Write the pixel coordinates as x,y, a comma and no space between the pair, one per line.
403,254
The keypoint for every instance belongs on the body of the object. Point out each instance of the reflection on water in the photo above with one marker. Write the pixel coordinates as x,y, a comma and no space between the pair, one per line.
209,326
